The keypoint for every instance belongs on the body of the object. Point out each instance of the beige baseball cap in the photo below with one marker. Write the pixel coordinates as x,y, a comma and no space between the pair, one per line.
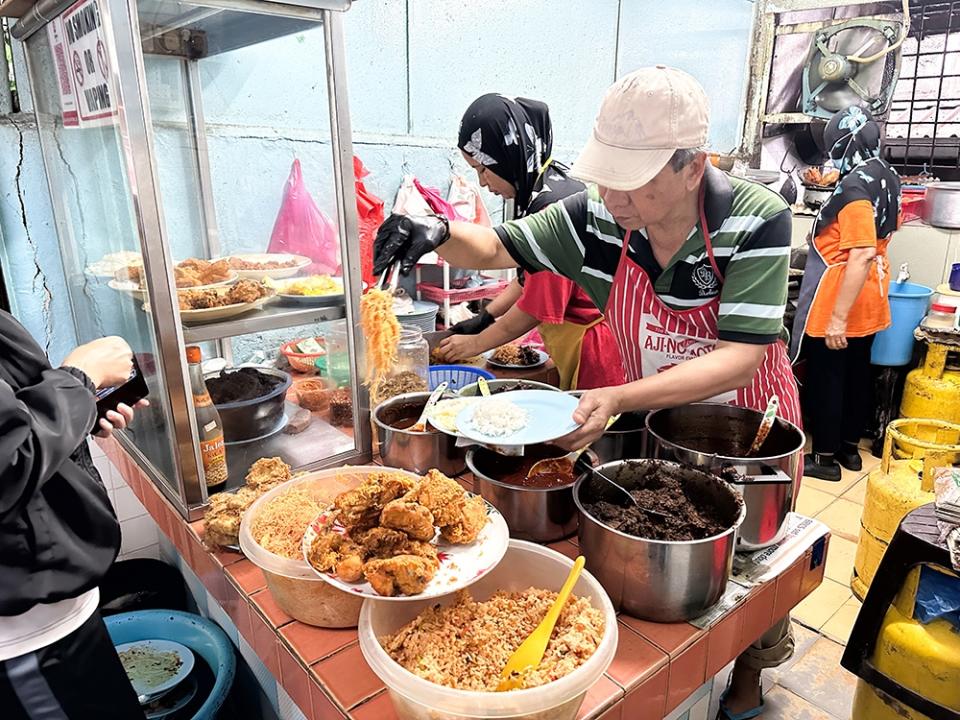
645,117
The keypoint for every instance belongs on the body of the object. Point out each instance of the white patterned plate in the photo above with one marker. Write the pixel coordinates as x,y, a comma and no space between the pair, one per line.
460,565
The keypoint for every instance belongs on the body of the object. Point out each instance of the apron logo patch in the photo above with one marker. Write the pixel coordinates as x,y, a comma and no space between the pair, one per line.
704,279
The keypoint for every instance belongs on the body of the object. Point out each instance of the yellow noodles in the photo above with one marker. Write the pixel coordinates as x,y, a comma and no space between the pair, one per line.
382,331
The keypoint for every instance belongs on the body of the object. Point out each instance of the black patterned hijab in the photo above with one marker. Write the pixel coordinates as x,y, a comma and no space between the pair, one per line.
512,137
853,138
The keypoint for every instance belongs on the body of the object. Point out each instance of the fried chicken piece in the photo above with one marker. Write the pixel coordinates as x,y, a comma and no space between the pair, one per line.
409,517
422,549
468,526
214,272
361,507
380,542
245,291
267,472
440,495
199,299
400,575
337,553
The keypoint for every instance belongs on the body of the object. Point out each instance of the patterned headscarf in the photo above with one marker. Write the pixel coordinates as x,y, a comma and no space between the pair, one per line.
512,137
853,139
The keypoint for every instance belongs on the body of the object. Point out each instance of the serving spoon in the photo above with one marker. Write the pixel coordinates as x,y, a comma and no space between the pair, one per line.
421,424
769,415
527,657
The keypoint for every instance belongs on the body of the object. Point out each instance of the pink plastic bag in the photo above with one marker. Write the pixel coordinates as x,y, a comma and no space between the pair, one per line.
302,229
436,201
465,199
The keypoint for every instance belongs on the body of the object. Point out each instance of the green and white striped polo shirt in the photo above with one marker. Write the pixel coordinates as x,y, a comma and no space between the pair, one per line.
749,230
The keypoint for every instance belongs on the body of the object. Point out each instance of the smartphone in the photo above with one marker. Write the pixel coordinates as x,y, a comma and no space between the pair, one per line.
135,388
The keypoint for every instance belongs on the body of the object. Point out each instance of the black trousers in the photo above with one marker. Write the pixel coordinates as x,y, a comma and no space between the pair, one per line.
838,392
77,678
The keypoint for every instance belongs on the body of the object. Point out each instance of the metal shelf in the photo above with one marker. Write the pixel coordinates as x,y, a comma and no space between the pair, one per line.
271,317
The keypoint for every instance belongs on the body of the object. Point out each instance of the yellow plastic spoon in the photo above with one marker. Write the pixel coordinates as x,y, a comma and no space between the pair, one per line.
484,388
527,657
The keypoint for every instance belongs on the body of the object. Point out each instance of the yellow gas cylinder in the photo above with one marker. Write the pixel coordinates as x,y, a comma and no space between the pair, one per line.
921,658
933,389
898,486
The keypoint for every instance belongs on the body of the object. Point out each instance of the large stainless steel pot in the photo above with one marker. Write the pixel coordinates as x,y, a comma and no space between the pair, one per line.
657,580
717,437
941,205
538,514
414,451
626,439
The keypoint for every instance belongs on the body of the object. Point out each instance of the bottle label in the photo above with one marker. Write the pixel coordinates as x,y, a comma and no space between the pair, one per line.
202,400
214,456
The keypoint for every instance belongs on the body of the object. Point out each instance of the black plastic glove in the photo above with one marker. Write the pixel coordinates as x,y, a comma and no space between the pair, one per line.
406,239
477,324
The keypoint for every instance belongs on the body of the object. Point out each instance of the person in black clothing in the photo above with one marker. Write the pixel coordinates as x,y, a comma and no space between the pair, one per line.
58,532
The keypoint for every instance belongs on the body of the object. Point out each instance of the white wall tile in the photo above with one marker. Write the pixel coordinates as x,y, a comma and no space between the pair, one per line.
151,552
138,533
286,708
127,504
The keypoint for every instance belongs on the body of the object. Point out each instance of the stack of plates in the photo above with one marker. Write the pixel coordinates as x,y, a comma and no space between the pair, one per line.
948,513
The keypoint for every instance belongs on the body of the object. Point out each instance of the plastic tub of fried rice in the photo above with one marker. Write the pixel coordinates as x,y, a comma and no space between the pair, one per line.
441,660
271,536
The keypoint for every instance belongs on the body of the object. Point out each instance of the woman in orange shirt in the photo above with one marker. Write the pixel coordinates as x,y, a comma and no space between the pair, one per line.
843,297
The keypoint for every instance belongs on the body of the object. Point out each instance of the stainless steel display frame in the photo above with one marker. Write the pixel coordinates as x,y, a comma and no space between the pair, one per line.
187,491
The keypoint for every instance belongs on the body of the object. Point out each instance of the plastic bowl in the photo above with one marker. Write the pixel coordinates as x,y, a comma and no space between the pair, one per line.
293,583
302,362
525,565
253,418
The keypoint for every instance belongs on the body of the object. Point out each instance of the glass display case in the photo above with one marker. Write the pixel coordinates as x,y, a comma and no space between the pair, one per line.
169,130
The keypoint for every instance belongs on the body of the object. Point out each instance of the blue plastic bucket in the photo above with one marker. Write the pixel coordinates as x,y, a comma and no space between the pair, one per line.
908,305
457,375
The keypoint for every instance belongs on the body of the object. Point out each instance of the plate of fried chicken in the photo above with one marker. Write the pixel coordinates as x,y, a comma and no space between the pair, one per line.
396,538
220,303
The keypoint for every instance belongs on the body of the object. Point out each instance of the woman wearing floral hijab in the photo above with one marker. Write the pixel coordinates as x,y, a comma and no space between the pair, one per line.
509,141
843,298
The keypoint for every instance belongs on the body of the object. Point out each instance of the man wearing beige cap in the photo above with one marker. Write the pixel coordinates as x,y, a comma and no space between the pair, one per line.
688,264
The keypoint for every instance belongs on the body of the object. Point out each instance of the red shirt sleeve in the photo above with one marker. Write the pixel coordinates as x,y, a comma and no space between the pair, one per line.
546,296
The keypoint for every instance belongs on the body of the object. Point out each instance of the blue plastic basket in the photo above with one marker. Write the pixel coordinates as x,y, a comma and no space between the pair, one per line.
457,375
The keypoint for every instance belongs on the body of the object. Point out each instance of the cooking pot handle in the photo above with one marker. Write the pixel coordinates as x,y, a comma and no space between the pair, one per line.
735,477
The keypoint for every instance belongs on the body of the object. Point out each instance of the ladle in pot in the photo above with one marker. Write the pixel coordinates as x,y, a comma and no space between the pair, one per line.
769,416
584,466
421,424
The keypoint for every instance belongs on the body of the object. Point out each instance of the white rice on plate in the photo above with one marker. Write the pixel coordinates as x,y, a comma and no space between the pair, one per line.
498,418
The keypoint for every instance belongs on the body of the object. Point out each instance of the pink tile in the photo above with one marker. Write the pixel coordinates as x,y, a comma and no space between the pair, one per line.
247,576
788,589
723,641
758,613
566,548
347,677
600,697
238,609
648,699
264,601
266,643
323,707
313,643
614,713
210,572
687,673
636,659
379,707
672,638
295,680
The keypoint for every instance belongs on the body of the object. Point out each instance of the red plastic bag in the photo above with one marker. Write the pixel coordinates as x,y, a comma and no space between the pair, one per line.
302,229
370,216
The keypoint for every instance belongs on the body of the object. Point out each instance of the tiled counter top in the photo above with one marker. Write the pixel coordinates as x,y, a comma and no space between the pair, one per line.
657,666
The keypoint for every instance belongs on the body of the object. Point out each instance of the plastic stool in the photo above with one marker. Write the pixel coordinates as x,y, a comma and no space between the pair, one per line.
916,542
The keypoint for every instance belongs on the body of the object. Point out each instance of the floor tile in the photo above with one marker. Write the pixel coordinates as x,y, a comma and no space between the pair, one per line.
869,461
821,605
803,640
818,678
840,559
857,493
782,704
847,480
843,518
810,501
838,627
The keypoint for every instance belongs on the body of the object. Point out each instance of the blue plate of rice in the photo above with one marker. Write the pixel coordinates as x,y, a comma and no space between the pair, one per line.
520,417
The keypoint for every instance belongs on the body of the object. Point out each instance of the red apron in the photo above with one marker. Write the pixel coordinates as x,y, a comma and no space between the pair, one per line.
653,337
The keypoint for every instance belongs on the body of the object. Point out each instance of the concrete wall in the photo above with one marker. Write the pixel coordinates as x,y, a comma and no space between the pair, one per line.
413,68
